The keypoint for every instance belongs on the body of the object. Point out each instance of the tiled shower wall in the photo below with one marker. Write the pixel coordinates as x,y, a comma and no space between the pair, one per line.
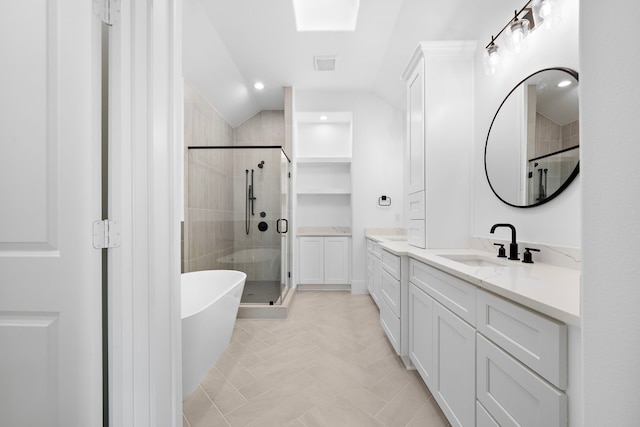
215,184
551,137
209,208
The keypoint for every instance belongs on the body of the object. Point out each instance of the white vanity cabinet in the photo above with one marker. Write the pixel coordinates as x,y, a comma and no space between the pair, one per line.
390,306
522,364
441,343
439,135
374,270
324,260
486,360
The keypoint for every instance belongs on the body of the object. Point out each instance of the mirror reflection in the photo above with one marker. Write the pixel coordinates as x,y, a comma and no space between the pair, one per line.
532,148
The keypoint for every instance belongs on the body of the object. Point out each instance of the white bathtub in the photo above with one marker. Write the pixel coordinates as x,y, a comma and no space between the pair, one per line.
210,301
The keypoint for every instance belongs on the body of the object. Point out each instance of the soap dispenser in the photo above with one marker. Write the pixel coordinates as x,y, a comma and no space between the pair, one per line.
501,251
527,256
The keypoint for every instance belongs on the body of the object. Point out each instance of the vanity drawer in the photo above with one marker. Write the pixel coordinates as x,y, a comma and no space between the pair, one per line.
391,263
391,325
374,248
390,290
455,294
535,340
370,245
514,395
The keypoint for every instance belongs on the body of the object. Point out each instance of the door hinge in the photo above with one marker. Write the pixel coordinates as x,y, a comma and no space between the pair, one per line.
107,10
106,234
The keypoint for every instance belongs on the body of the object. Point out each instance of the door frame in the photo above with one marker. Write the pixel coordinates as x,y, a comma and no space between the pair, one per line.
145,140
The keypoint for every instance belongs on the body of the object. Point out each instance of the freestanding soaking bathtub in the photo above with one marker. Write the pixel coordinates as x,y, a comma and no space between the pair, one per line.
210,301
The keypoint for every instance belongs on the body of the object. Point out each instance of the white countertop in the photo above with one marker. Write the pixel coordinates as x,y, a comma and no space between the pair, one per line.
548,289
324,231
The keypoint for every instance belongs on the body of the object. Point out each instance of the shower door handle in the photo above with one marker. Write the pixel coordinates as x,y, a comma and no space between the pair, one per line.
286,223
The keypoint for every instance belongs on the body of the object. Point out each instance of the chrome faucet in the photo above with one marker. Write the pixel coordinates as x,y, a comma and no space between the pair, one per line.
513,246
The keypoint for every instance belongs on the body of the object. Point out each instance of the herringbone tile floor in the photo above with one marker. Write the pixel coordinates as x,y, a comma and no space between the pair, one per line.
328,364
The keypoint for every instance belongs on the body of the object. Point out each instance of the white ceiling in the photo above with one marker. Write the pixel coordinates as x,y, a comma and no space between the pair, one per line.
230,44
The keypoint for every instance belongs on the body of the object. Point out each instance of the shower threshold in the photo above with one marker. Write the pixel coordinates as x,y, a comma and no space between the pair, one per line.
265,310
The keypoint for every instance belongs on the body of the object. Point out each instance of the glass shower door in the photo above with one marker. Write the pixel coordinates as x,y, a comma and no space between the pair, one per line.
283,226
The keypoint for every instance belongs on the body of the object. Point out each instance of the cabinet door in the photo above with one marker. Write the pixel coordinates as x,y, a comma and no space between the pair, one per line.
455,367
390,291
415,124
421,333
336,260
513,394
390,324
377,280
370,273
311,260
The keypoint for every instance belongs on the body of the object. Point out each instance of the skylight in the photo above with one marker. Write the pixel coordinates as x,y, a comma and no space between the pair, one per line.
326,15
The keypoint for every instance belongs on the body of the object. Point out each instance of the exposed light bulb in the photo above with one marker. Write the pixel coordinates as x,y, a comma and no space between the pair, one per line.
547,12
491,58
516,34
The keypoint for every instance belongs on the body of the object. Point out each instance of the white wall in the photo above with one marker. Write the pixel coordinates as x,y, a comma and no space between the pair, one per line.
610,102
210,69
377,166
554,223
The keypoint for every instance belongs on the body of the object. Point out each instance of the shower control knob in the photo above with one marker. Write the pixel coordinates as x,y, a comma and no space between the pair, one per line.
263,214
262,226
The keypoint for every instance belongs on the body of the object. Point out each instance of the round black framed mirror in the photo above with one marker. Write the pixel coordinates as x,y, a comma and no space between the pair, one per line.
532,150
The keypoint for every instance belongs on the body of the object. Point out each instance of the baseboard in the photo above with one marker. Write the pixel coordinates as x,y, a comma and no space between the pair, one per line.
324,287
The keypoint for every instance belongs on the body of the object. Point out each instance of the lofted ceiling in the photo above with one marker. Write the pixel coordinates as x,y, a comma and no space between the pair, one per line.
229,45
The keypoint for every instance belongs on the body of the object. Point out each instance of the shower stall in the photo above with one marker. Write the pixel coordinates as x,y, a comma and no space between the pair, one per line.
237,213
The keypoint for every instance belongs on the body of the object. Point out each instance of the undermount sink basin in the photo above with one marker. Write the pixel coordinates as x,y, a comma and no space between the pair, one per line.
475,260
396,238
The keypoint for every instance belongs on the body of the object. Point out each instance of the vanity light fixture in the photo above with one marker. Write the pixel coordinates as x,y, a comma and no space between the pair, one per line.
514,34
491,58
547,12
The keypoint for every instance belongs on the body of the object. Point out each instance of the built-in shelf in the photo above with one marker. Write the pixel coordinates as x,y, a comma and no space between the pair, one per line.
323,160
323,169
324,192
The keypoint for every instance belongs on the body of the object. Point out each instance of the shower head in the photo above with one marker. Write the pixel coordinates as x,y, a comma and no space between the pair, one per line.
261,164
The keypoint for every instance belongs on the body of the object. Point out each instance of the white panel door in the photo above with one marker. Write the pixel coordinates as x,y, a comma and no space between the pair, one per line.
455,367
416,129
336,260
421,341
311,260
50,275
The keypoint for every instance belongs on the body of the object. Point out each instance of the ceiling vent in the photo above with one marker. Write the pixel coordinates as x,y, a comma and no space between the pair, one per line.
324,63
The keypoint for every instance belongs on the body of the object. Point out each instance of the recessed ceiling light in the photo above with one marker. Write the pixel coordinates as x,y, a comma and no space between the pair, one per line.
323,117
259,85
326,15
564,83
